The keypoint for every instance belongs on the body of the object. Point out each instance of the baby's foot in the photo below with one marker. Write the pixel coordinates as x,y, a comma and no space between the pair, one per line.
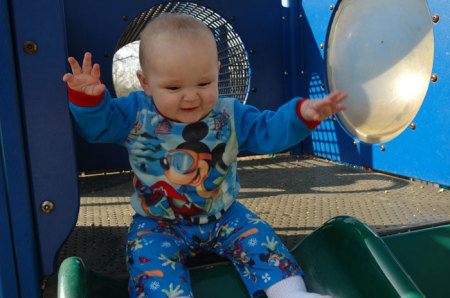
311,295
291,287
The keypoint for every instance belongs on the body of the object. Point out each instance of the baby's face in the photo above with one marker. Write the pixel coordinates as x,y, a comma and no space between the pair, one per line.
181,74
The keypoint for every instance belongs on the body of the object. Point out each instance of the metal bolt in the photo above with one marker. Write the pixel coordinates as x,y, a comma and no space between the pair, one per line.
434,78
233,19
383,148
322,86
435,18
125,18
30,47
355,143
300,16
334,119
283,18
47,207
302,72
413,126
254,89
321,46
286,73
252,52
331,7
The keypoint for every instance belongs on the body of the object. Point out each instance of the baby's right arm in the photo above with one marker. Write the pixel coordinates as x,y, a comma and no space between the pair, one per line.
85,79
97,117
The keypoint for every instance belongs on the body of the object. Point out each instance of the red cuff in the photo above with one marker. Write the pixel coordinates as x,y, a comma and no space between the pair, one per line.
82,99
310,124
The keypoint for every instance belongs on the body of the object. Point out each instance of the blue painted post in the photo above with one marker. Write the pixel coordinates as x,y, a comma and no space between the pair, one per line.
40,36
19,273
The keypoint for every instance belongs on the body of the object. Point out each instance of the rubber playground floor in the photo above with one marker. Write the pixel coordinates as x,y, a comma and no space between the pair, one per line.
295,194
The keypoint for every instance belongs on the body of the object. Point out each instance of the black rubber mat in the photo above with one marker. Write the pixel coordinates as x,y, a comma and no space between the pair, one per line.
294,194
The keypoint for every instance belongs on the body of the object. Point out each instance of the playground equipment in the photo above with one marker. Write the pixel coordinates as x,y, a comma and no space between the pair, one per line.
342,258
291,47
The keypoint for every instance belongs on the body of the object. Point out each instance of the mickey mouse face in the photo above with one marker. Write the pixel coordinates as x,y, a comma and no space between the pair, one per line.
189,163
184,161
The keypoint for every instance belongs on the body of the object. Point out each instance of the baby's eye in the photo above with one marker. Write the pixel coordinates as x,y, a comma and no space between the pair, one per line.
173,88
204,84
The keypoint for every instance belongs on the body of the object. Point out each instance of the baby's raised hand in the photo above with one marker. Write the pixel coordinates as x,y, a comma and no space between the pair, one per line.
85,79
320,109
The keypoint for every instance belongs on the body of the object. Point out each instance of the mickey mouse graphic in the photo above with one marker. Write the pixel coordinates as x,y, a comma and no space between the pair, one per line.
190,162
197,170
275,258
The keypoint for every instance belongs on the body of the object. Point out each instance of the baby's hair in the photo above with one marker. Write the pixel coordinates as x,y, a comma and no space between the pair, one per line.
172,23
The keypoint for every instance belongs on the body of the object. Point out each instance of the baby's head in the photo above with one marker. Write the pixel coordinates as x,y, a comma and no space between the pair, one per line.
178,56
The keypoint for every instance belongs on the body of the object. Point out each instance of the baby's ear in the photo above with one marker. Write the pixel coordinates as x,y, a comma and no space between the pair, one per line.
144,82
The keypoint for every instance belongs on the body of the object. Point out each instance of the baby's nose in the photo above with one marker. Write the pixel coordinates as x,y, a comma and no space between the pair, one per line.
190,94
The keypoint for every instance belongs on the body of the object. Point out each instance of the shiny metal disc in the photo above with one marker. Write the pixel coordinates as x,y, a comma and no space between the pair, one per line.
381,53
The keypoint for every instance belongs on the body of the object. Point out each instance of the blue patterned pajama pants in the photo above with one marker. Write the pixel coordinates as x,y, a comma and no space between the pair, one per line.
157,251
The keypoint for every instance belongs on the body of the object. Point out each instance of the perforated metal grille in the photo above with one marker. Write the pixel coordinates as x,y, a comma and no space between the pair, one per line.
234,76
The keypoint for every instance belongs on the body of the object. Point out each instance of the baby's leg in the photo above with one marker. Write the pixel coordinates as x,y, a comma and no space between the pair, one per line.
262,260
155,260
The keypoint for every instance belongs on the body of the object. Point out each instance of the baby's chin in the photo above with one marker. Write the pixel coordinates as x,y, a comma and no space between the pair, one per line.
191,116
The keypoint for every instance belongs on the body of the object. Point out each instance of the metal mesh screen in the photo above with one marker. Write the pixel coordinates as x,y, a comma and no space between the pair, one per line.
234,76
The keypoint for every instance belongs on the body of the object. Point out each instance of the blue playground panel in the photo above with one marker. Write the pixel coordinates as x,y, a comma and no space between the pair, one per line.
421,153
41,156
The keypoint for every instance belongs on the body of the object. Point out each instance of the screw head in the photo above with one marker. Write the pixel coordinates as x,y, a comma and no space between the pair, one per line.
434,78
47,206
331,7
383,148
413,126
321,46
435,18
30,47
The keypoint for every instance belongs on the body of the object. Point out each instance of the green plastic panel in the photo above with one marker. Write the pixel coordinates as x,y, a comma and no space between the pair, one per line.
346,258
72,279
343,258
425,254
75,280
219,282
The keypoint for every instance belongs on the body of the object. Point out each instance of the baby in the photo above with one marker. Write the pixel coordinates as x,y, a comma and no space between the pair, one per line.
183,143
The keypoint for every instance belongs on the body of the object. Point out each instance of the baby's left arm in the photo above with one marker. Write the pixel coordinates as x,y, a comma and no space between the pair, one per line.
321,109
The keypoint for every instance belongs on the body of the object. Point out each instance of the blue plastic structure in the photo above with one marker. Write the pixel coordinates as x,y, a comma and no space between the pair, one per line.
40,155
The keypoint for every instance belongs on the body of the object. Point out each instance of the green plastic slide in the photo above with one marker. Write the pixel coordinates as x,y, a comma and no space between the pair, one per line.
342,258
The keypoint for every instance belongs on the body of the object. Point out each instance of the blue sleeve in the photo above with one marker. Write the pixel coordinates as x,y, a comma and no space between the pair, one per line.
269,131
110,121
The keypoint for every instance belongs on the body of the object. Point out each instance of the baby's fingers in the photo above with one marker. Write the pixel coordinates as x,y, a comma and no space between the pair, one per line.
68,77
338,96
87,63
76,69
96,71
99,89
342,97
340,109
